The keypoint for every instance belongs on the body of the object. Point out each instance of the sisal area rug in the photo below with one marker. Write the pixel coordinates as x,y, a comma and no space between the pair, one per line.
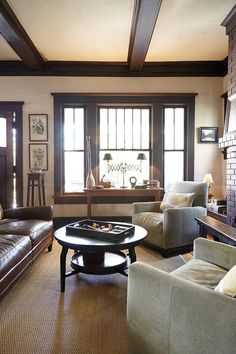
89,318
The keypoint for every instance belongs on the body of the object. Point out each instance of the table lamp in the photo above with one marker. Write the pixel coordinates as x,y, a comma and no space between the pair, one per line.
208,179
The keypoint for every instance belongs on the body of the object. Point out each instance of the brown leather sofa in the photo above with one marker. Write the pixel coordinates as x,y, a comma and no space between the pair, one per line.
22,240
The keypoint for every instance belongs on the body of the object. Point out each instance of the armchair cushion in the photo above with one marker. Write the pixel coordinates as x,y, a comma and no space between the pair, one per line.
227,285
150,220
201,272
177,200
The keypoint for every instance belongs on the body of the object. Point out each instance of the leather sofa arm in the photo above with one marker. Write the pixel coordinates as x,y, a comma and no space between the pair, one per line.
215,252
24,213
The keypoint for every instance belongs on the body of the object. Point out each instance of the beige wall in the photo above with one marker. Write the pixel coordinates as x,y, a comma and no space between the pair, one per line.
36,94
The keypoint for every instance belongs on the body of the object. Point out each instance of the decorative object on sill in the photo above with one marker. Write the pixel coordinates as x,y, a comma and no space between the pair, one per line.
140,186
133,181
208,135
106,184
90,181
208,179
152,183
123,167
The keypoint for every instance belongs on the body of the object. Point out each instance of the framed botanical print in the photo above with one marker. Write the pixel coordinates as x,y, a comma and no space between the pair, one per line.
38,127
38,156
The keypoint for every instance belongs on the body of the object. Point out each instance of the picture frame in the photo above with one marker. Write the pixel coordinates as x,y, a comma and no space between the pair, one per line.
38,127
38,156
208,135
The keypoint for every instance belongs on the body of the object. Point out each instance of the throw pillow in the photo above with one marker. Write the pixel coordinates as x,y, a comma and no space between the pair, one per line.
1,212
177,200
227,285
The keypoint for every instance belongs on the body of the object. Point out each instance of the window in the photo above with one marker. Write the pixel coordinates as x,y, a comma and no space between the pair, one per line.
173,145
73,149
159,126
3,132
124,134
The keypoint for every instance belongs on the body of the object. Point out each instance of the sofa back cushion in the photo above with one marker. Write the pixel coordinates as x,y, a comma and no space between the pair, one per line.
227,285
199,188
177,200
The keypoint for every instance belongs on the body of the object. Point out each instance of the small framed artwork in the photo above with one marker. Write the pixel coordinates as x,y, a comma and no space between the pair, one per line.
38,156
38,127
208,135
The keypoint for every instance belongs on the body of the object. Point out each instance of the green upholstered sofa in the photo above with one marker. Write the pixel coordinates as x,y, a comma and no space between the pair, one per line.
179,312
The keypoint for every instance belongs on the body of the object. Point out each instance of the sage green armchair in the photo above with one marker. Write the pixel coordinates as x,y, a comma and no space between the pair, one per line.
172,230
182,312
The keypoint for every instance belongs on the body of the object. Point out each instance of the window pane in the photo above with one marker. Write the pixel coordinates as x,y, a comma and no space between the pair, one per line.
112,128
3,132
74,172
145,129
79,129
128,128
136,129
179,128
103,128
169,128
174,167
68,129
120,129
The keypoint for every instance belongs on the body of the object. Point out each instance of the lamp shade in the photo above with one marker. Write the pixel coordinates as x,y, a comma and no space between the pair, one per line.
107,157
141,156
208,178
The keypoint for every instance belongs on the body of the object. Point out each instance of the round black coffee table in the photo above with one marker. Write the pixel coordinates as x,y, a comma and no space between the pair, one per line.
93,256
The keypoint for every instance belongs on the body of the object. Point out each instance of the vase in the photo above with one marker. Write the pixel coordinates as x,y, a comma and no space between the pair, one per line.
90,181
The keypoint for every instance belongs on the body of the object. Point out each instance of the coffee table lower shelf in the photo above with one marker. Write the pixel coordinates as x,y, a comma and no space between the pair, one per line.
100,262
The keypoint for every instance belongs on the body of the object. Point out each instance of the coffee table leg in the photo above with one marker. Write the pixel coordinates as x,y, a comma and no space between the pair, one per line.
132,255
63,267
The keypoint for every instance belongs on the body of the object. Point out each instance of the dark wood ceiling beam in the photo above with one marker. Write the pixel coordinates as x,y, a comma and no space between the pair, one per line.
143,23
116,69
18,39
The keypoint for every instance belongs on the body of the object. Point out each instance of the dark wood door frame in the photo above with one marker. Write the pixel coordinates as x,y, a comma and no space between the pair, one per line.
16,107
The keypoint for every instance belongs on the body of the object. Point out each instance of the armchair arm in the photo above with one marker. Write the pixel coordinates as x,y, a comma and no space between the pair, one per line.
215,252
179,226
24,213
177,314
141,207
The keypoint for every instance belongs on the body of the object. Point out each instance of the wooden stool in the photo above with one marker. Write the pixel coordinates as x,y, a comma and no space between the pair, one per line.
35,180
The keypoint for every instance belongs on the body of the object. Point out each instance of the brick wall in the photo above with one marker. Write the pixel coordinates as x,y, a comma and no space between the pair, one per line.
231,184
229,141
231,85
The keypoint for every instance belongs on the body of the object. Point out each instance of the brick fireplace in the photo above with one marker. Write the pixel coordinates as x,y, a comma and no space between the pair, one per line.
228,141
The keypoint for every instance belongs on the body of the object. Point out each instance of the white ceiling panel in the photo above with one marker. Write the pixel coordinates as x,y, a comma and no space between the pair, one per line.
190,30
86,30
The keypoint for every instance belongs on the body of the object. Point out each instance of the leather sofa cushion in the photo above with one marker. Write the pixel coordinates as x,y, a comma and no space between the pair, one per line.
201,272
36,229
149,220
13,248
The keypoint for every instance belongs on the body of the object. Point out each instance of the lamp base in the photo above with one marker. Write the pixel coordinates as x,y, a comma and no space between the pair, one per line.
123,186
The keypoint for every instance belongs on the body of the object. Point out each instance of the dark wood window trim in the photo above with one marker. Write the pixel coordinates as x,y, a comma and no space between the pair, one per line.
91,101
16,106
